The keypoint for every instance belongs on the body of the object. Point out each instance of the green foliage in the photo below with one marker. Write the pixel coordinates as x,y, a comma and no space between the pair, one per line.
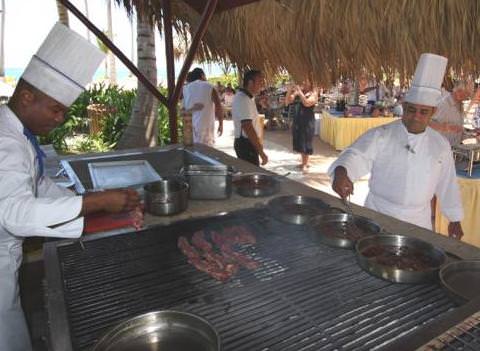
230,78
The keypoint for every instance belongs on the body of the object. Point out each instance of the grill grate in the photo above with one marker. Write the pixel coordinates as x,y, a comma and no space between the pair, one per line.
464,336
305,296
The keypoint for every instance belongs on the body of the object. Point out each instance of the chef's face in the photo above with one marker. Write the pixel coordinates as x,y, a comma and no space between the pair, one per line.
43,113
417,117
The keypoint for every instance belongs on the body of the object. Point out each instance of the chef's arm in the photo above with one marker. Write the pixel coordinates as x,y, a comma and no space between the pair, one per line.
342,184
449,197
247,127
116,200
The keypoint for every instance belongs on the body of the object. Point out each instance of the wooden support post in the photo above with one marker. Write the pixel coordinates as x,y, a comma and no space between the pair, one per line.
172,107
152,88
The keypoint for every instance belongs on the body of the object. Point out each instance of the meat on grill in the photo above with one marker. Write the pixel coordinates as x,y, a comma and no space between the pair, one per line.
221,261
201,264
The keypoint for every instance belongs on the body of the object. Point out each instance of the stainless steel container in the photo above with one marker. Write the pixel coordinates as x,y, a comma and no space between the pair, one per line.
256,185
166,197
396,246
161,330
209,182
461,279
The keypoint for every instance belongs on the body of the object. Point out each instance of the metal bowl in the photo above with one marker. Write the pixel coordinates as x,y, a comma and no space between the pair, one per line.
461,279
296,209
161,330
382,255
342,230
166,197
256,185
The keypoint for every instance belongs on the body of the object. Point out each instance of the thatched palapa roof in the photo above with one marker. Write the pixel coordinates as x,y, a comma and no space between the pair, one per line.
334,38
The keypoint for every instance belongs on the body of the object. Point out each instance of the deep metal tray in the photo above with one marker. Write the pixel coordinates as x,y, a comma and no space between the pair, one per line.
296,209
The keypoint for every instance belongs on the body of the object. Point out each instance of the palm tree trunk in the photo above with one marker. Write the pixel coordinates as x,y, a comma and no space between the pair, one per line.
112,72
62,13
2,42
142,130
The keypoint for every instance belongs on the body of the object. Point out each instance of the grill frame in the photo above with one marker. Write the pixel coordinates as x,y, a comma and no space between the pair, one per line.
61,338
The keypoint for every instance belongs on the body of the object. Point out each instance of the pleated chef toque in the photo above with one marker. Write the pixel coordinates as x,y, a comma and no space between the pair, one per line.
63,65
427,81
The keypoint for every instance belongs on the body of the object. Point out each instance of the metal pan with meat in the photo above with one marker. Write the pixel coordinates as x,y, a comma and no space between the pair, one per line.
343,230
399,258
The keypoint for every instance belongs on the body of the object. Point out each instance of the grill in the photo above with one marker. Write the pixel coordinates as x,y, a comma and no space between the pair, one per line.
463,336
305,296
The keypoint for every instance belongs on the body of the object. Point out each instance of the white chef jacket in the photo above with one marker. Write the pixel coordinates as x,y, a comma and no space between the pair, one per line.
27,208
406,170
203,121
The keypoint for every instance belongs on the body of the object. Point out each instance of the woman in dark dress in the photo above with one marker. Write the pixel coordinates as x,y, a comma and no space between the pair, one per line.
303,99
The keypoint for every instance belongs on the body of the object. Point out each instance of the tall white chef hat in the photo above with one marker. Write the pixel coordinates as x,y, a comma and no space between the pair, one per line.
427,81
63,65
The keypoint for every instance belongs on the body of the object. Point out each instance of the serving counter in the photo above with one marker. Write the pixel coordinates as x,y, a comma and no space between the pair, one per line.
303,295
341,132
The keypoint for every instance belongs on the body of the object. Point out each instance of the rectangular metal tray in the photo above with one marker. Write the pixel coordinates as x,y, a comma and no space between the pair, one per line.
120,174
209,182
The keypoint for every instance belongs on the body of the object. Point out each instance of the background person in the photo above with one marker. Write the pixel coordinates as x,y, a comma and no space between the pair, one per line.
244,114
201,93
304,98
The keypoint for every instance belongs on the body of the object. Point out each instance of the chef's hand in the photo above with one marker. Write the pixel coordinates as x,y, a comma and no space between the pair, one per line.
264,158
455,230
342,185
115,200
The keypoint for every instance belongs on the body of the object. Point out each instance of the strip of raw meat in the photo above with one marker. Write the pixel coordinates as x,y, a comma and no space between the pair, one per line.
205,265
198,239
225,246
202,244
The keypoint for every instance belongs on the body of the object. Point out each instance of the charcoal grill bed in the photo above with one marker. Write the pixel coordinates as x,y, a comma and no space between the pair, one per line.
305,295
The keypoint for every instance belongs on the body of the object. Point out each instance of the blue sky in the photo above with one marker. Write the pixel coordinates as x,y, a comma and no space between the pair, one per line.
27,23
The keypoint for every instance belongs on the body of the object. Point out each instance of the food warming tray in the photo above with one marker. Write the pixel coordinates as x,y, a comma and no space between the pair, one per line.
209,182
342,230
461,279
296,209
399,258
120,174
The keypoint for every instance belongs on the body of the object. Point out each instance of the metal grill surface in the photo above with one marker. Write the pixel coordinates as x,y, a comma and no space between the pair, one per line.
305,295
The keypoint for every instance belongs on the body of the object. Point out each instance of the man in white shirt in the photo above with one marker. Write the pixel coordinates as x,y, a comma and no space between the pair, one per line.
200,92
408,162
31,204
244,114
448,119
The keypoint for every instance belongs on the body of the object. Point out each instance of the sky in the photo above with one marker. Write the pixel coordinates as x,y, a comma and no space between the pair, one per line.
27,23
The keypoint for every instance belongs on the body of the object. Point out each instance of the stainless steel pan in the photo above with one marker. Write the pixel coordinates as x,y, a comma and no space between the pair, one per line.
256,185
399,258
166,197
161,330
343,230
461,279
296,209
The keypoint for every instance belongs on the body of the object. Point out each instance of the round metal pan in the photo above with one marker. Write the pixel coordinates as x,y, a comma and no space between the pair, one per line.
400,259
296,209
342,230
161,330
256,185
461,279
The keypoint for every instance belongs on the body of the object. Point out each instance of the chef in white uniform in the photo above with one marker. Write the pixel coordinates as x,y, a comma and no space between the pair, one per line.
408,162
30,203
199,92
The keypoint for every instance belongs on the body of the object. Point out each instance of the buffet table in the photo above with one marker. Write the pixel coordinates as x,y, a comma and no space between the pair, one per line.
470,190
341,132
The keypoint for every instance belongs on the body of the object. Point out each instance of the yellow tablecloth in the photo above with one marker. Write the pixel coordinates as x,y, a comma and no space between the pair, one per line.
470,189
341,132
